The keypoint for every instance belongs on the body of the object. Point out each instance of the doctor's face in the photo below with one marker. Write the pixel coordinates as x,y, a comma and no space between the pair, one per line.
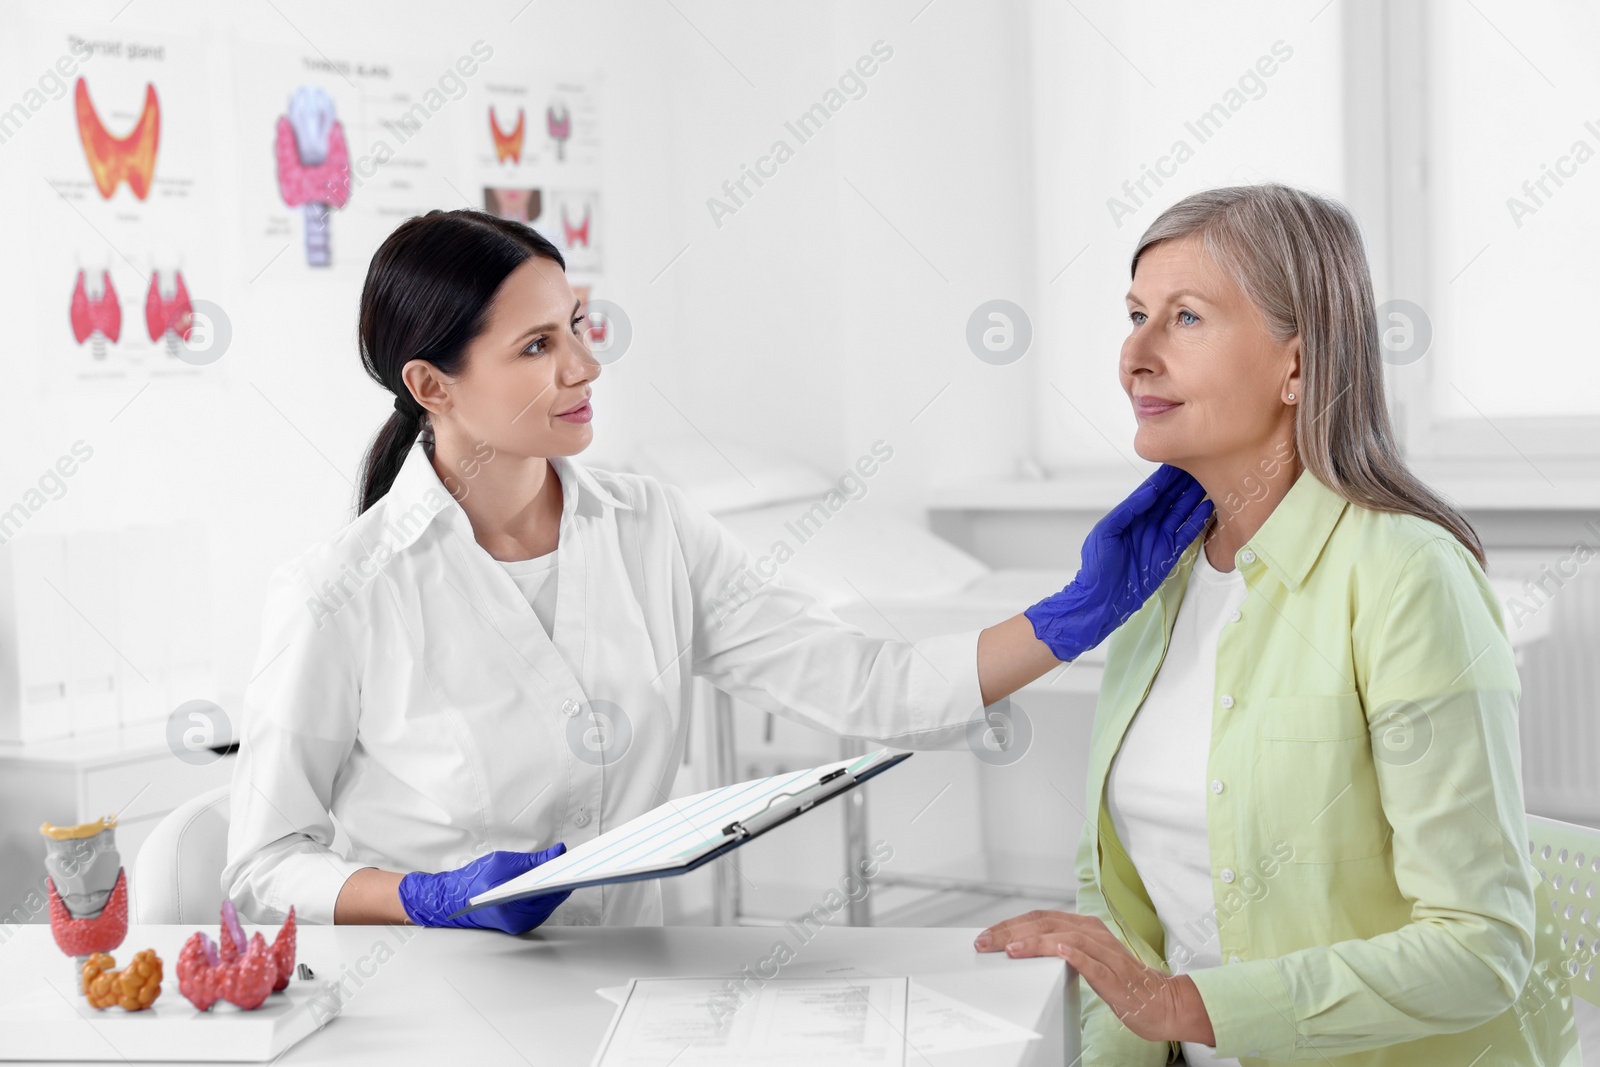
1205,374
528,376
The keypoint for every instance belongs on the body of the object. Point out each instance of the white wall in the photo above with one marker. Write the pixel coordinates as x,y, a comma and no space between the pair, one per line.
1114,86
805,322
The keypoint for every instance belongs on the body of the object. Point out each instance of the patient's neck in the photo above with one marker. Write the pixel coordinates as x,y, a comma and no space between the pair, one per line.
1243,492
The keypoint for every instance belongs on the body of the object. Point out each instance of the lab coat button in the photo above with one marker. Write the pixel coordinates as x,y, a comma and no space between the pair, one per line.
1216,785
1247,556
582,818
1226,874
1227,701
569,706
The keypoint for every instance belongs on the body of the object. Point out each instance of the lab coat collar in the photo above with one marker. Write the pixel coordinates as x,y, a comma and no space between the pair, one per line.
572,472
418,496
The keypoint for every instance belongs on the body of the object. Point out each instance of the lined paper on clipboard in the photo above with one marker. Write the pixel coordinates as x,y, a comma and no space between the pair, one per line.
685,833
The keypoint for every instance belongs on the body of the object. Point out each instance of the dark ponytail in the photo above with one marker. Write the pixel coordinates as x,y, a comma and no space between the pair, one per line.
428,294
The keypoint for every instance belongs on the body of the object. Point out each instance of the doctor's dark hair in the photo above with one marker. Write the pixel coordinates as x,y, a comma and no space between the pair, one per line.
1300,260
428,295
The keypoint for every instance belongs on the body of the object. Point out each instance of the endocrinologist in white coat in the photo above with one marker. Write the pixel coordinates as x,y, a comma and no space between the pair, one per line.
427,675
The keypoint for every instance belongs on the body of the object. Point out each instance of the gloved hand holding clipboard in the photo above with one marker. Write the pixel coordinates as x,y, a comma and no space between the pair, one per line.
685,834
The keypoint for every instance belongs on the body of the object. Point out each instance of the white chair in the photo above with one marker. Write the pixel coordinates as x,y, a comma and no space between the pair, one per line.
177,876
1568,858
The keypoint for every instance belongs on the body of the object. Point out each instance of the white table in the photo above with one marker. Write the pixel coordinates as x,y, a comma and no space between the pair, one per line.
467,997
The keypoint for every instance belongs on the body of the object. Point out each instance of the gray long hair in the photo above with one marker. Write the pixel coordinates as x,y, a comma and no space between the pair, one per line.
1299,259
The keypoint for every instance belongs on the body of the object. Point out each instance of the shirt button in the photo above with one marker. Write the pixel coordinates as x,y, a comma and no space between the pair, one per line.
569,706
1227,701
1226,874
1233,959
1247,556
582,818
1235,616
1216,785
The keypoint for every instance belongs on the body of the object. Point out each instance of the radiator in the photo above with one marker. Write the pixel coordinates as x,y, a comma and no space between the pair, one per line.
1560,679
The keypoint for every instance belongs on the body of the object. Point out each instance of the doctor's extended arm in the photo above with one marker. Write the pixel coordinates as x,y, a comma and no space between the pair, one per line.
783,651
1130,551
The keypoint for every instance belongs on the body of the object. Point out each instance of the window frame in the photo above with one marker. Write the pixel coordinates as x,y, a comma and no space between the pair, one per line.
1388,167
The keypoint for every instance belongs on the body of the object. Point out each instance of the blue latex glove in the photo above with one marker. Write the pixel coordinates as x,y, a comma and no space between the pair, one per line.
430,899
1127,554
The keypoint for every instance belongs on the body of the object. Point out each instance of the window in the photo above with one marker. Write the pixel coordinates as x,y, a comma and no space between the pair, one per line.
1491,173
1134,108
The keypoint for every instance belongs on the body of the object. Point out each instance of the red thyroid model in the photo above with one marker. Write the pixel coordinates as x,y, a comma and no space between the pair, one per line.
243,972
85,937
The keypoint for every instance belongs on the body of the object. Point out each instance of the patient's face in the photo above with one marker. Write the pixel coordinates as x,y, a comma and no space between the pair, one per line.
1198,343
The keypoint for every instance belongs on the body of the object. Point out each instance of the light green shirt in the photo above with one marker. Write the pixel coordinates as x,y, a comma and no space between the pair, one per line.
1374,902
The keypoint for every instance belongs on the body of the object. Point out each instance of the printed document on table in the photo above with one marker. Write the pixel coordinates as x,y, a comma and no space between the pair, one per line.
936,1023
719,1022
940,1023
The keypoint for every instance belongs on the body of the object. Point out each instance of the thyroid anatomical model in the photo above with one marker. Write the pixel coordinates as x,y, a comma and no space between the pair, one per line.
313,165
170,317
88,889
113,159
98,317
134,988
240,971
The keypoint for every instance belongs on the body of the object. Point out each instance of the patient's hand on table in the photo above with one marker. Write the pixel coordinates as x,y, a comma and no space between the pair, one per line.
1153,1004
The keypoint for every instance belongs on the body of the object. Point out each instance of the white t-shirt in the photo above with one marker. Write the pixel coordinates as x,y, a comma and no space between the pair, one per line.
536,578
1156,790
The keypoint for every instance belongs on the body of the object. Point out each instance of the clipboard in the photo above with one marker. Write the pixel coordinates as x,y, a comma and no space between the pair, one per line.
685,834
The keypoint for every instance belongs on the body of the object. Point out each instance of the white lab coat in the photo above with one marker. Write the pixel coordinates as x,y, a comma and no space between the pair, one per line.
405,688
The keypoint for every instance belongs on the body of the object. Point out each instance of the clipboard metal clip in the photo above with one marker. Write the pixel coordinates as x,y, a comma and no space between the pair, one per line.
801,801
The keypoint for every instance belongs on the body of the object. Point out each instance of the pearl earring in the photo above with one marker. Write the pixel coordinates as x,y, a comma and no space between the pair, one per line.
1291,396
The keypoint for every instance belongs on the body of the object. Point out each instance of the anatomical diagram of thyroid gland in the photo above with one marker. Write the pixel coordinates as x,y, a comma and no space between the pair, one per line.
97,318
507,146
88,889
558,124
113,160
168,318
313,166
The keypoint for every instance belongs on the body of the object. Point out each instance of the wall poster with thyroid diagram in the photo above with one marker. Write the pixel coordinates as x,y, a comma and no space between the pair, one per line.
124,216
336,151
533,147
